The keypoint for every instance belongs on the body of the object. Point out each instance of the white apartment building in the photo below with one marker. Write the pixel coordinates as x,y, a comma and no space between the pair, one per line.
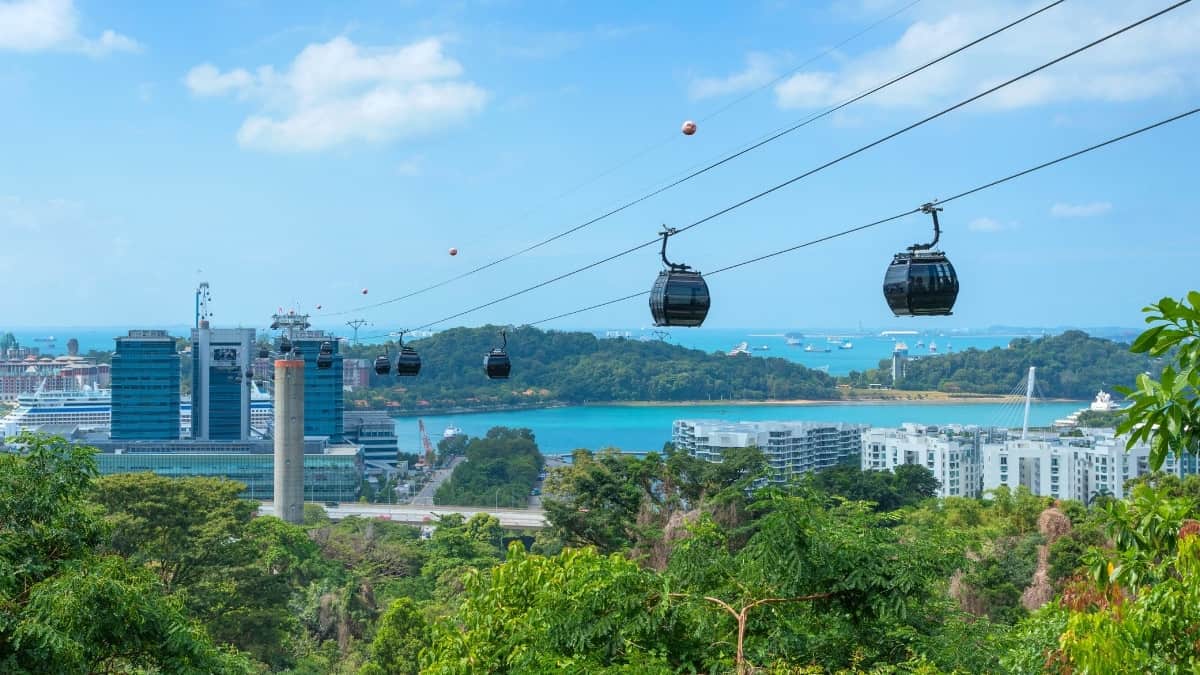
950,452
1070,467
791,448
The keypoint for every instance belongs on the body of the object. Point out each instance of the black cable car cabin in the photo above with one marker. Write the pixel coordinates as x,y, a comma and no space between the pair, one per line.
263,353
383,365
325,356
679,296
408,363
285,345
921,281
496,362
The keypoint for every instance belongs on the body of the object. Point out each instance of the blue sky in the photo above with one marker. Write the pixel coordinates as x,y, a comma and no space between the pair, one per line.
294,153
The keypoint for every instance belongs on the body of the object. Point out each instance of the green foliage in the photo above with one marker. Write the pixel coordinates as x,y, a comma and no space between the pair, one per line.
1166,411
501,469
999,578
907,486
64,608
233,572
577,612
1072,365
595,500
579,367
399,639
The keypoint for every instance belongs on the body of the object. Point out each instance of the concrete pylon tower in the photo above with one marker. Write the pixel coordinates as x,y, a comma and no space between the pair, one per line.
289,440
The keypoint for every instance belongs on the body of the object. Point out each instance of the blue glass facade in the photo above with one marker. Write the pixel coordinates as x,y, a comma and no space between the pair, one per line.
145,387
220,386
324,398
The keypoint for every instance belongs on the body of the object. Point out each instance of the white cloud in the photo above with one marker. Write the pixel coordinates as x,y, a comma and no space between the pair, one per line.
43,25
759,70
206,80
338,92
985,225
1062,210
1157,58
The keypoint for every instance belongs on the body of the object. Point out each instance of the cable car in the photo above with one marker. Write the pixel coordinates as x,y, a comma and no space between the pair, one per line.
921,281
679,296
325,356
263,353
408,363
285,345
496,363
383,365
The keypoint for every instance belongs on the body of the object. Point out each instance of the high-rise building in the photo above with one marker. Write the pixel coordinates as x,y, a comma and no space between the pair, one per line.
145,386
791,448
221,376
324,396
950,452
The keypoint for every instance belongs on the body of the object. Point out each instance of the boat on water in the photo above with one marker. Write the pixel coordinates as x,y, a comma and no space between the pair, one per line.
920,344
811,348
763,348
846,345
742,349
933,347
452,431
793,341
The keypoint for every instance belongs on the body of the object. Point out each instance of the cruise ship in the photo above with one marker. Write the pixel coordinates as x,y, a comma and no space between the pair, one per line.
90,409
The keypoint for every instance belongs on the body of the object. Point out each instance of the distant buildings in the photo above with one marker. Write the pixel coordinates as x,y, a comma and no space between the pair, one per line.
951,453
221,374
1073,467
145,386
27,374
375,431
791,448
356,373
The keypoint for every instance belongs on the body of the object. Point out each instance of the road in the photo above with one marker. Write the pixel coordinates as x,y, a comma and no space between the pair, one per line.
417,515
425,496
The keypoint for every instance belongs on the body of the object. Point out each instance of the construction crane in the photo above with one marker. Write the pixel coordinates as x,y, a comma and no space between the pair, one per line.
430,453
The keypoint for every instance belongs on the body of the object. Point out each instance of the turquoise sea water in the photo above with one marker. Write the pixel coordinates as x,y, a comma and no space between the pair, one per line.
561,430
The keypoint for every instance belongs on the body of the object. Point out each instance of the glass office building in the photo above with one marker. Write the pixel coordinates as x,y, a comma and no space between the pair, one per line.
221,382
145,386
324,396
331,473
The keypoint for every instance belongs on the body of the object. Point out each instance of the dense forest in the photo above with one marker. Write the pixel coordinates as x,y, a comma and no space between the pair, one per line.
500,470
1071,365
662,564
571,367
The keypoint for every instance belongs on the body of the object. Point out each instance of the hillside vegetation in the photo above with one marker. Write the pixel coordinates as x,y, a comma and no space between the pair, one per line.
572,367
1072,365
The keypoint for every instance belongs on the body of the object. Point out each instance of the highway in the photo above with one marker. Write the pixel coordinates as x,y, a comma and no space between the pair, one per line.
418,515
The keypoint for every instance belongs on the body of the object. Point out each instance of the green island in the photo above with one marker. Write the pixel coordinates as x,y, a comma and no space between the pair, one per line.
572,368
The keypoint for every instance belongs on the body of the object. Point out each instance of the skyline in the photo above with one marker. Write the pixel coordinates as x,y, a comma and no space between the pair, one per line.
293,158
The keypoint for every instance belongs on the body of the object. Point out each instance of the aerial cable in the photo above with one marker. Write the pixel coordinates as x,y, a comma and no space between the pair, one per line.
832,162
773,136
881,221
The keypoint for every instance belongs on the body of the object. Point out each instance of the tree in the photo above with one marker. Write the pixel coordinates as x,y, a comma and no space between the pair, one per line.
401,635
233,572
64,607
576,612
1166,411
